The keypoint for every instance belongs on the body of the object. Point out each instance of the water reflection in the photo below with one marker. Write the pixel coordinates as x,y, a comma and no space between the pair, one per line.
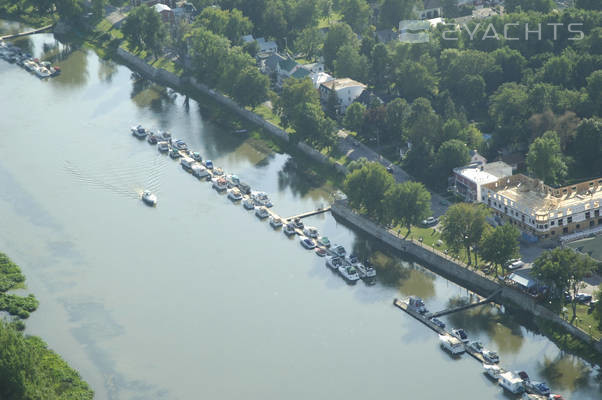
106,71
566,371
74,68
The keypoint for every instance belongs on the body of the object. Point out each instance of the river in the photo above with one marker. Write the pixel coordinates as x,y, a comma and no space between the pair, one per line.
196,298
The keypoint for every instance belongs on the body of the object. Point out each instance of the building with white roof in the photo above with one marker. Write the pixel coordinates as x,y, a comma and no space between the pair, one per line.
346,90
469,179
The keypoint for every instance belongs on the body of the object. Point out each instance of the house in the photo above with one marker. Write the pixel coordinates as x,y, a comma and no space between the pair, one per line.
475,157
314,67
542,211
320,78
432,9
468,180
268,62
185,12
346,90
265,46
369,99
167,14
287,67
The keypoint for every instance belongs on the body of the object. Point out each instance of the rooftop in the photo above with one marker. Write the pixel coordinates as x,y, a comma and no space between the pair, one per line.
161,7
487,173
342,83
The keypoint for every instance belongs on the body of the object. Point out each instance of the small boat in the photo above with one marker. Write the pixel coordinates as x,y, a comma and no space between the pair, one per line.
261,199
199,171
196,156
240,131
298,223
248,203
324,241
234,194
186,163
173,153
244,188
353,259
275,221
310,231
307,243
476,346
533,396
165,135
163,147
139,132
349,273
261,212
460,334
149,199
289,229
152,139
493,371
366,271
180,144
218,172
438,322
232,180
334,263
416,304
370,270
540,388
219,184
208,164
320,252
451,344
511,382
490,356
339,250
524,376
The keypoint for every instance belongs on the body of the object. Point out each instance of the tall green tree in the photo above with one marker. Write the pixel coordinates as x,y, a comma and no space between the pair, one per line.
251,87
545,160
499,245
354,116
587,147
356,13
144,29
451,154
309,42
462,227
349,63
337,36
366,187
393,11
407,203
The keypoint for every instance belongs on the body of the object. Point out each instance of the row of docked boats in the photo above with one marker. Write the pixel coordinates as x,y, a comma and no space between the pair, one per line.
13,54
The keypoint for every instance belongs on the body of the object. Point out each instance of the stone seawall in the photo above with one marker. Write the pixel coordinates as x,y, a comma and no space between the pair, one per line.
188,84
449,268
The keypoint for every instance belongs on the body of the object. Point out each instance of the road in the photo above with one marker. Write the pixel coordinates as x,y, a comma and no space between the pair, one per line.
354,150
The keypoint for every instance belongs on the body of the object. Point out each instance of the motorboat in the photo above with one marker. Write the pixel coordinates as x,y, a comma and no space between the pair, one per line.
261,199
365,270
165,135
289,229
324,241
524,376
275,221
349,273
186,163
248,203
219,184
244,188
353,259
540,388
416,304
261,212
334,263
152,139
493,371
370,270
163,147
511,382
490,356
451,344
179,144
139,132
208,164
339,250
460,334
234,194
218,172
174,153
533,396
310,231
232,180
476,346
196,156
320,252
307,242
149,198
298,223
438,322
199,171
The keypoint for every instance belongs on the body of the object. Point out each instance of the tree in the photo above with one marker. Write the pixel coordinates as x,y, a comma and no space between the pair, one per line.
349,63
407,203
422,123
366,187
393,11
379,68
356,13
598,308
309,41
229,23
462,227
499,245
69,9
594,91
251,87
587,146
208,52
564,270
354,116
144,29
545,160
413,80
338,36
451,154
543,6
395,118
508,110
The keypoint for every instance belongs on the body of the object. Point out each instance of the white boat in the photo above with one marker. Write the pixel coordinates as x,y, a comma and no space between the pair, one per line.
490,356
248,203
149,198
533,396
174,153
311,232
139,132
511,382
339,250
199,171
261,199
186,163
289,229
275,222
232,180
451,344
179,144
349,273
493,371
416,304
334,263
219,184
307,242
365,270
234,194
460,334
261,212
218,172
476,346
324,241
163,147
540,388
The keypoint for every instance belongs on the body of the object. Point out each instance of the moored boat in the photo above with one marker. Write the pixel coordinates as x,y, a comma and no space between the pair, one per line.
261,199
307,242
289,229
334,263
298,223
219,184
324,241
248,203
460,334
310,231
174,153
339,250
139,132
275,222
199,171
196,156
416,304
540,388
490,356
186,163
454,346
152,138
349,273
493,371
180,144
511,382
163,147
234,194
261,212
208,164
149,198
320,252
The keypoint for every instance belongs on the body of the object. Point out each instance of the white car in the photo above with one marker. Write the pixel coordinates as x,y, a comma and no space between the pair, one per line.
516,264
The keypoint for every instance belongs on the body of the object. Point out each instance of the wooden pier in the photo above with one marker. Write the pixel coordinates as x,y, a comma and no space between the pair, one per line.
464,307
404,306
308,214
26,33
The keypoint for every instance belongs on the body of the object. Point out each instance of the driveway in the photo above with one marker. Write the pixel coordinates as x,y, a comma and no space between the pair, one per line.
354,150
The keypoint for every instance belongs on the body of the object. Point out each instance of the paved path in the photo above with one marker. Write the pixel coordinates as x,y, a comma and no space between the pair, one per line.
356,150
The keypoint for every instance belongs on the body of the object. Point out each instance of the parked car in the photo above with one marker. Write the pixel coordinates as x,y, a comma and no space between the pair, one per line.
515,264
583,298
430,221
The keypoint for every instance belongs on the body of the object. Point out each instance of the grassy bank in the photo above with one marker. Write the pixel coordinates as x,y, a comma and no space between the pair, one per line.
11,278
26,15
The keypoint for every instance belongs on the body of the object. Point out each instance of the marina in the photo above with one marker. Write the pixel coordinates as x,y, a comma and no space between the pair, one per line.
14,55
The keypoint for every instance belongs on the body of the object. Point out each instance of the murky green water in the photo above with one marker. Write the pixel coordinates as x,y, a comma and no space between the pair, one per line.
197,298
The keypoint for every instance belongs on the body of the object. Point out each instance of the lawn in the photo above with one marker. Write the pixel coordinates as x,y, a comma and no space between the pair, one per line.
586,321
326,22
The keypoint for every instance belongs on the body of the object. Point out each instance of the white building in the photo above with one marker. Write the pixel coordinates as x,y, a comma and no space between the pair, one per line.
469,179
265,46
346,90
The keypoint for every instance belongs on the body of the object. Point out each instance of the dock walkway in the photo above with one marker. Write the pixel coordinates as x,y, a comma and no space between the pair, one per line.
464,307
30,32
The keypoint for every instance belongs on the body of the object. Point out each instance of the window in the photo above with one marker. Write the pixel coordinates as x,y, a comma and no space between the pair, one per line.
591,223
560,221
578,226
597,213
565,230
587,215
553,232
569,220
551,223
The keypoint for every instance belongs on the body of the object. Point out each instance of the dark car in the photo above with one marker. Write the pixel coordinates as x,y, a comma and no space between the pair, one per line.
438,322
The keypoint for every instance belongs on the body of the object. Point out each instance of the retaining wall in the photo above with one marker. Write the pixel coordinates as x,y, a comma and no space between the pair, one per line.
449,268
